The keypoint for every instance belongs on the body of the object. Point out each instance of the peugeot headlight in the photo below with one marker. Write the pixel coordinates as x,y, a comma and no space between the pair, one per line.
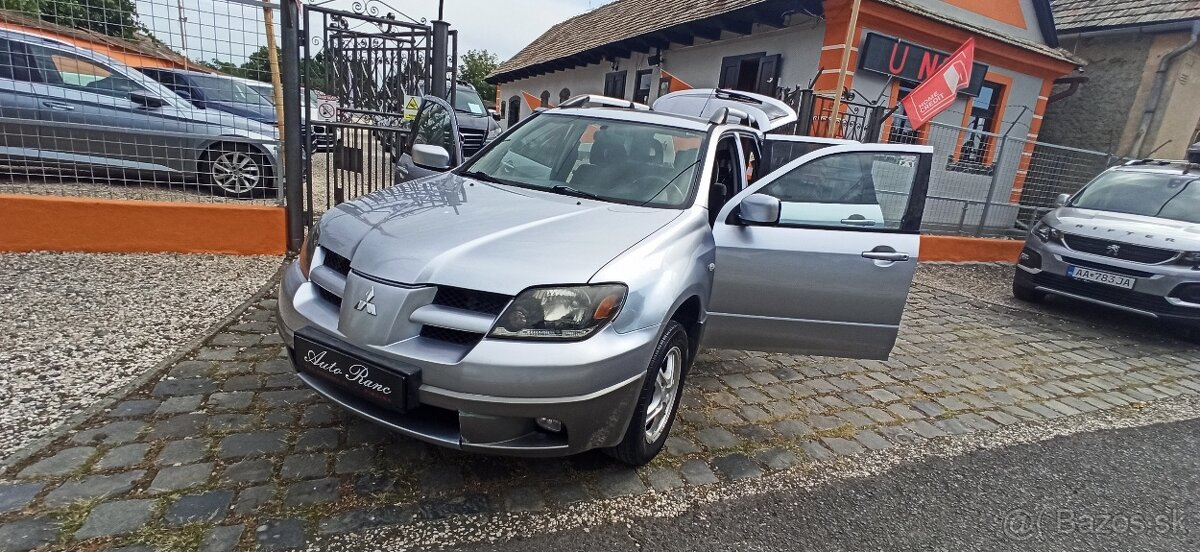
560,313
493,132
1191,258
309,249
1045,232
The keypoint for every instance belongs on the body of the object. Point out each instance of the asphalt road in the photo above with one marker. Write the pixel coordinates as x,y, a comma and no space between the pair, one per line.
1129,489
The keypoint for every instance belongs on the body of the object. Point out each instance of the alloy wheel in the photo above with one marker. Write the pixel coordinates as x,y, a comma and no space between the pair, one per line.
236,172
666,388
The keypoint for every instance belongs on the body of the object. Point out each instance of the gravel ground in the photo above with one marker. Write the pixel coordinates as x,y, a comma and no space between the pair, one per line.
77,326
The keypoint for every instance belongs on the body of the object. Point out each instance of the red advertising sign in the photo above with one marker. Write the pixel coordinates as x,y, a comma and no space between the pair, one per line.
938,92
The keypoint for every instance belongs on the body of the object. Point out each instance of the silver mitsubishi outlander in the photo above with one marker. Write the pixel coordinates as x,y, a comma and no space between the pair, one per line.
549,295
1129,240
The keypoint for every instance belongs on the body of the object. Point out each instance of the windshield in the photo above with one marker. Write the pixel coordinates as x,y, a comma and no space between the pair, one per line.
1169,196
617,161
217,89
467,101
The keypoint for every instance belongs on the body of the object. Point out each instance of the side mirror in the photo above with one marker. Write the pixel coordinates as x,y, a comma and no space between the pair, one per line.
759,209
495,115
1062,200
430,157
147,101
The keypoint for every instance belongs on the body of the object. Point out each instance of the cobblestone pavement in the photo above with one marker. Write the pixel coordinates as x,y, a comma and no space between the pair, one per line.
228,451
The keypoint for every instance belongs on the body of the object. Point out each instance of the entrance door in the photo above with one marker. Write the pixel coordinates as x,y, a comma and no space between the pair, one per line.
830,275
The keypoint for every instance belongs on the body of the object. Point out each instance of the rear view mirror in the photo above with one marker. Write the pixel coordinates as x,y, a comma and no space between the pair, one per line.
147,101
759,209
430,157
1062,200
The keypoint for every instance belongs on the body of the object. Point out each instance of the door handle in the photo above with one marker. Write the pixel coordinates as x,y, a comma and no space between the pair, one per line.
857,222
885,256
59,106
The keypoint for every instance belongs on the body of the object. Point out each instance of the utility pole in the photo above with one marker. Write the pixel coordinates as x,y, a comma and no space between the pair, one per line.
841,82
273,60
183,35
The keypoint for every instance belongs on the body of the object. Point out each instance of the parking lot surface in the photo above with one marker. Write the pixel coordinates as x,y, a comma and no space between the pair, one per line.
227,449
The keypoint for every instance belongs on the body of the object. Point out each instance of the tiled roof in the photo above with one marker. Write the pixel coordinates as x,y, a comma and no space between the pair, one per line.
625,19
614,22
1073,15
142,44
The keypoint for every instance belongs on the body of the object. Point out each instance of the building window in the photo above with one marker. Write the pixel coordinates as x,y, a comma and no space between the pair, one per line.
614,84
564,95
902,131
514,110
751,73
983,120
641,93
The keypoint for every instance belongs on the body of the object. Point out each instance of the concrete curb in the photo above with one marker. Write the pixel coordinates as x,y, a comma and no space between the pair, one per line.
72,423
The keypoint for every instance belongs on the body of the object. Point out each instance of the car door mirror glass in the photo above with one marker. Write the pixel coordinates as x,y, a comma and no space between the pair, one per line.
147,101
1062,200
435,126
759,209
431,157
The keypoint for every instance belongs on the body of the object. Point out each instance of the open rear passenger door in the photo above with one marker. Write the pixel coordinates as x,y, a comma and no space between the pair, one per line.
817,257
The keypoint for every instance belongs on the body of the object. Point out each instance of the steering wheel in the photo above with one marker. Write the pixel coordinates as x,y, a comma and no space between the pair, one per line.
671,192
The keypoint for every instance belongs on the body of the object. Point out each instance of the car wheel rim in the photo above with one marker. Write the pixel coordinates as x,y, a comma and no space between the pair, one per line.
662,401
236,172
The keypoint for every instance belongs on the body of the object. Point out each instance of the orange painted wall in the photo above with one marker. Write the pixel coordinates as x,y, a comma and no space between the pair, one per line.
961,250
36,223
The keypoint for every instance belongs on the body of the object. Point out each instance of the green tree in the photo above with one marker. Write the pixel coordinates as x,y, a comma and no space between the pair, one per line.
258,65
476,66
110,17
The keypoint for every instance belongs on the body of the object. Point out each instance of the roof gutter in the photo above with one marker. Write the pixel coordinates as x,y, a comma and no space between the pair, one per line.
1156,90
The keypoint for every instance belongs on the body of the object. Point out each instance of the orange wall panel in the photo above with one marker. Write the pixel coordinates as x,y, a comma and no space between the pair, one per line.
961,250
36,223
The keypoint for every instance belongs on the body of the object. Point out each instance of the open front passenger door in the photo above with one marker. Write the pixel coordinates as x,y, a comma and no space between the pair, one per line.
817,257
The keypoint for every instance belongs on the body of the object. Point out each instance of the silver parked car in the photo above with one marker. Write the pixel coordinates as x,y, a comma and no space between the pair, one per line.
70,109
549,296
1129,240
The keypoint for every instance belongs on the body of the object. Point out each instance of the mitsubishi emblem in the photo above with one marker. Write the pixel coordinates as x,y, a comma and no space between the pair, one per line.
366,304
1113,250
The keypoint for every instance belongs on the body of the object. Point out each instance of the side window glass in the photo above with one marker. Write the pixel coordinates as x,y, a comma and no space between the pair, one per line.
435,128
15,63
781,152
847,190
71,71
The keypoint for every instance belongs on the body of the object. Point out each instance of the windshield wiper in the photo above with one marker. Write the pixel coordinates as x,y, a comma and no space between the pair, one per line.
567,190
482,176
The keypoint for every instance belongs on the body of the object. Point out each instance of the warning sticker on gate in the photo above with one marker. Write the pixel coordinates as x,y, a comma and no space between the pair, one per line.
410,108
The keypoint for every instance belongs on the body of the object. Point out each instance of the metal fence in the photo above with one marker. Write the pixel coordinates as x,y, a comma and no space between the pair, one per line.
982,183
153,99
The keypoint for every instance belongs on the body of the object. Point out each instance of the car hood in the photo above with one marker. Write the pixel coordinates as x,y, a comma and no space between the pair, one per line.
450,230
1136,229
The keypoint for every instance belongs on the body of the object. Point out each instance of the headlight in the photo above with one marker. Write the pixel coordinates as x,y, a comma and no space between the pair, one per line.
1045,232
1191,258
560,313
493,132
308,249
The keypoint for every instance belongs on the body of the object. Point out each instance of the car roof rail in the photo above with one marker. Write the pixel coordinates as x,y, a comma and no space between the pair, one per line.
1159,162
596,100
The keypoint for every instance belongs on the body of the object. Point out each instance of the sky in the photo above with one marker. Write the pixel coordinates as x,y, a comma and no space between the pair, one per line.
230,31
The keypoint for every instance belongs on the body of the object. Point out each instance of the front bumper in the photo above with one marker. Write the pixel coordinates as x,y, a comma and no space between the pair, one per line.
1150,297
489,399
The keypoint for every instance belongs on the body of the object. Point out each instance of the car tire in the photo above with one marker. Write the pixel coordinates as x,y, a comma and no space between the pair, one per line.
663,387
237,170
1027,294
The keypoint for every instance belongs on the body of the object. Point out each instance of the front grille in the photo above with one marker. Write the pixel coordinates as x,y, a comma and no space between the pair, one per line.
337,262
457,337
471,300
1116,296
1107,268
1126,251
329,296
472,141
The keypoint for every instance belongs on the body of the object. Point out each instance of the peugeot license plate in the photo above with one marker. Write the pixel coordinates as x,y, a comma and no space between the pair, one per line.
355,376
1106,278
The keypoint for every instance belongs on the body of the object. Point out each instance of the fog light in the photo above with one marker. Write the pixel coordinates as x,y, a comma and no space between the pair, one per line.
1187,292
1030,258
553,425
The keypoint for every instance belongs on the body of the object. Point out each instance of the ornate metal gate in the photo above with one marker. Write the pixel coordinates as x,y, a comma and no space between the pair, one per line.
362,72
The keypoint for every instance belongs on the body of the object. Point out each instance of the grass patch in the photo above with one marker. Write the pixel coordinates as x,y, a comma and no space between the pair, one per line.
176,539
71,517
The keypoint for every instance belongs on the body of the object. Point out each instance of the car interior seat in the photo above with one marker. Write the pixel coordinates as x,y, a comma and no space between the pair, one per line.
608,152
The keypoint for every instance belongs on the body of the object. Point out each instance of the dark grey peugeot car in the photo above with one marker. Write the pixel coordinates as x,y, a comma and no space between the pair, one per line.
1130,240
